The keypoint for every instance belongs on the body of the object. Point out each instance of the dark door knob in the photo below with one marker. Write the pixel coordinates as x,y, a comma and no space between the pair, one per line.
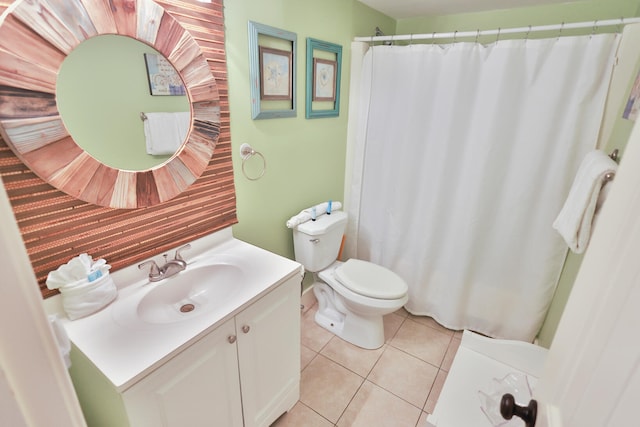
509,408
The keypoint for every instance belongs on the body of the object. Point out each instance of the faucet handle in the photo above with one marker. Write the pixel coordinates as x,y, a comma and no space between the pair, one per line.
178,255
154,271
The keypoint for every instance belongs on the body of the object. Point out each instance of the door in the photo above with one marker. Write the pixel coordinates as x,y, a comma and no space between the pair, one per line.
269,354
197,388
592,373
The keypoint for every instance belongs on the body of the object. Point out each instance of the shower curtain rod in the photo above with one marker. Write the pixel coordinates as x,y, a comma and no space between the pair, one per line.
457,34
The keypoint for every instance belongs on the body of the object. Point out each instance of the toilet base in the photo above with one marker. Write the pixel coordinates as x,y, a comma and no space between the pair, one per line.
360,330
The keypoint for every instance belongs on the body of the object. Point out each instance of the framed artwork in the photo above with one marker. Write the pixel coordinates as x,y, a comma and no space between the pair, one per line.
324,79
163,78
272,70
633,103
324,64
275,74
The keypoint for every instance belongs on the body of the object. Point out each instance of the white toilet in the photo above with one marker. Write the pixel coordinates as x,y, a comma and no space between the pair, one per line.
352,296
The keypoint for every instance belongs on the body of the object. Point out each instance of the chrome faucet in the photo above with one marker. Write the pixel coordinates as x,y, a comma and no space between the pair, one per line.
170,268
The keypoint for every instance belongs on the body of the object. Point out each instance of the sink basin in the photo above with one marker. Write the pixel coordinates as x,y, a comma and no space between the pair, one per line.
198,290
189,293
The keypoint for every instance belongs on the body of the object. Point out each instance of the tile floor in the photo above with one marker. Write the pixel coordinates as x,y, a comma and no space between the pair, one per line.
395,385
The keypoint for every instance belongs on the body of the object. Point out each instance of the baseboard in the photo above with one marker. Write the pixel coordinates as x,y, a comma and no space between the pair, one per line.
308,299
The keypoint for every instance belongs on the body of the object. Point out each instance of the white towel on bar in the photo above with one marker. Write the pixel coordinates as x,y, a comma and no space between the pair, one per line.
305,214
165,132
574,223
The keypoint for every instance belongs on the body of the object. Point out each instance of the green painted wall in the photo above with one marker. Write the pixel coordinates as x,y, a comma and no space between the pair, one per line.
522,17
89,382
111,68
305,157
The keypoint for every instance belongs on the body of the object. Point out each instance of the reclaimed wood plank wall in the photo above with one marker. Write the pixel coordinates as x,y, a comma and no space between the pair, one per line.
56,227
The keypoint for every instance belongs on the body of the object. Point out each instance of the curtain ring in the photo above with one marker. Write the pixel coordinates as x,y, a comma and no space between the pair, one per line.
246,152
410,39
433,37
621,24
498,36
595,28
477,34
455,35
526,37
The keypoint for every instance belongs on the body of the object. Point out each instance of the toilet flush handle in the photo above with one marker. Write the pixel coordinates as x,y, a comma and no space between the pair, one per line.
314,241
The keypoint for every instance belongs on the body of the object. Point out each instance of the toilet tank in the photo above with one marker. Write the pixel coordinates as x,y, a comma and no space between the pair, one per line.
317,243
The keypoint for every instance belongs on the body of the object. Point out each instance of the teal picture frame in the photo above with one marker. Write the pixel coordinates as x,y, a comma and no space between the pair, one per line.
322,54
262,108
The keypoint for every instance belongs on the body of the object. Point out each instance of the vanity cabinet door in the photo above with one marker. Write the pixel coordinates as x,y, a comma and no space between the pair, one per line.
198,387
269,354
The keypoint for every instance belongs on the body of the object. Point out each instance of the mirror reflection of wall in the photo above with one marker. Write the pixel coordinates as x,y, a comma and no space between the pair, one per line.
102,88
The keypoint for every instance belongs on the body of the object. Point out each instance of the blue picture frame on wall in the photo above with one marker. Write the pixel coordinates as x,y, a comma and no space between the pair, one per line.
324,68
275,42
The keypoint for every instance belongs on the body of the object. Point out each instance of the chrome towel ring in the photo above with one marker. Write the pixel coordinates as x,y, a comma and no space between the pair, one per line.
246,152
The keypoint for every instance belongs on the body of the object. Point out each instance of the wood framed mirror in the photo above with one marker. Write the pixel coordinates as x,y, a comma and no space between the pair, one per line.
35,38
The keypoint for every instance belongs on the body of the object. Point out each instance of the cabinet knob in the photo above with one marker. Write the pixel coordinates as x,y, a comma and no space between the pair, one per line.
246,328
231,339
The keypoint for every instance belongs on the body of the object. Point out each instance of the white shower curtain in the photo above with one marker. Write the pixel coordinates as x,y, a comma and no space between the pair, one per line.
464,155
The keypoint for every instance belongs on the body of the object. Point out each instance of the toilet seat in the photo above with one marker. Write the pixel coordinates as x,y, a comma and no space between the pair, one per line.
370,280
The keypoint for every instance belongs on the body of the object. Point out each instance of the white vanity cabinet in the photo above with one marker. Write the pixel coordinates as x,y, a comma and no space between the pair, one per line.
198,387
245,372
246,369
269,354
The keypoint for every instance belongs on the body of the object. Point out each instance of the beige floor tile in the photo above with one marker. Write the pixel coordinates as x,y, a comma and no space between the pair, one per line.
313,335
402,312
431,322
327,387
450,354
435,391
404,375
423,420
301,415
306,356
352,357
422,342
374,406
392,323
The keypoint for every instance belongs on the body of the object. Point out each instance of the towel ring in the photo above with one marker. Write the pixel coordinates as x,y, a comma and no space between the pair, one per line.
247,152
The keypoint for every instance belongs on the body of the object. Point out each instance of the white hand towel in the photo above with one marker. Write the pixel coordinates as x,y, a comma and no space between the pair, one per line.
165,132
86,285
85,298
75,271
574,223
306,215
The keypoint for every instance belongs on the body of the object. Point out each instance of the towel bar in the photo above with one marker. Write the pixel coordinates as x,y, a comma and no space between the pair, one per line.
247,152
609,177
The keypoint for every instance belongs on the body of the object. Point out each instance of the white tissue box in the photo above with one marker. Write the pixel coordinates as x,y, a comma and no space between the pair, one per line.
84,298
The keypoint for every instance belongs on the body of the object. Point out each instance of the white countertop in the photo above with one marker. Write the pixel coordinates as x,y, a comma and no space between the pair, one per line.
125,353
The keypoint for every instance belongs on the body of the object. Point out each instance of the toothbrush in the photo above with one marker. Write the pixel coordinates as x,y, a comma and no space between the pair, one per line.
313,213
329,207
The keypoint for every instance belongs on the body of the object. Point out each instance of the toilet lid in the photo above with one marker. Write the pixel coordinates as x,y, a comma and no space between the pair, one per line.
371,280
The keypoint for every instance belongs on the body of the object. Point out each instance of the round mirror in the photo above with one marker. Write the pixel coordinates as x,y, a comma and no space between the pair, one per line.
34,43
131,82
